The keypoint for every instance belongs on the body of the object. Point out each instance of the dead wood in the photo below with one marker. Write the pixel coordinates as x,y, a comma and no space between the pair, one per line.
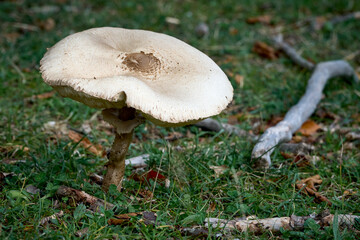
215,126
82,197
298,114
293,223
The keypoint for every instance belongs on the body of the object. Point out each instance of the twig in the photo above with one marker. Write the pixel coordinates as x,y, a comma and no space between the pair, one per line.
213,125
299,113
81,196
275,224
291,53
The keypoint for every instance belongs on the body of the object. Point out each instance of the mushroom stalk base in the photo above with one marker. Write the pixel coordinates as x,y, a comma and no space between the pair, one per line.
124,121
116,166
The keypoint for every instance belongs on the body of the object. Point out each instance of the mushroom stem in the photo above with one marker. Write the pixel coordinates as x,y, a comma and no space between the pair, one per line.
124,120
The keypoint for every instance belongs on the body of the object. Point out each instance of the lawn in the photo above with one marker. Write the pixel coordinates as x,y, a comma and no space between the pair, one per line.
32,154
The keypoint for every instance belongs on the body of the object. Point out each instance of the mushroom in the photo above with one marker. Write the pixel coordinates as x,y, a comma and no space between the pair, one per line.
135,75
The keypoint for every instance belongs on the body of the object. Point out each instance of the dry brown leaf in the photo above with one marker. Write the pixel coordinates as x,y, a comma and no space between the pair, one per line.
233,31
309,128
264,50
211,208
147,218
308,187
146,194
219,170
319,22
174,136
229,73
85,143
47,25
239,80
287,155
44,95
266,19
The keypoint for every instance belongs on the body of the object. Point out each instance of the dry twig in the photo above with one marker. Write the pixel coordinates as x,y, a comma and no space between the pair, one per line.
275,224
213,125
81,196
299,113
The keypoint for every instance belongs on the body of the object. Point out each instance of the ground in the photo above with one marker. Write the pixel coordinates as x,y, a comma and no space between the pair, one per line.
264,89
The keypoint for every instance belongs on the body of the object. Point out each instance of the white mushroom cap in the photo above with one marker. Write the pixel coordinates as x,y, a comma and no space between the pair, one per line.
169,81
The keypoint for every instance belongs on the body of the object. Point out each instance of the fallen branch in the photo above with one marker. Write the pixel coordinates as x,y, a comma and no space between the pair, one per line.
83,197
213,125
298,114
292,54
293,223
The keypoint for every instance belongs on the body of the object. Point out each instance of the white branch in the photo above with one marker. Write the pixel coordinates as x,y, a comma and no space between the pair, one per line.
213,125
275,224
299,113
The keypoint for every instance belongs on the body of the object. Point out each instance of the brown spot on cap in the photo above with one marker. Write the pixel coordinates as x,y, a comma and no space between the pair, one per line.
145,63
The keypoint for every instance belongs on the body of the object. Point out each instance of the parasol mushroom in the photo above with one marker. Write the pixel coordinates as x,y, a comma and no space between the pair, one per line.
135,75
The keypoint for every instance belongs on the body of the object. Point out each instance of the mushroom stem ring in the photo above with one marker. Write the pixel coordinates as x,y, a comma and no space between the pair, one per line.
124,121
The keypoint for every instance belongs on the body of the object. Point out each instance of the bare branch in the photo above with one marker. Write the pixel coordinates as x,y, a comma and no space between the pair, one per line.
299,113
275,224
292,54
81,196
213,125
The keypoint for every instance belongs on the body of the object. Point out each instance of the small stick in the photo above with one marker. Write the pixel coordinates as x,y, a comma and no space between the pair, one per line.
299,113
292,54
81,196
213,125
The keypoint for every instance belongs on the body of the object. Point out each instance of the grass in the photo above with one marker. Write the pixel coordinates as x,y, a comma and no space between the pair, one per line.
270,88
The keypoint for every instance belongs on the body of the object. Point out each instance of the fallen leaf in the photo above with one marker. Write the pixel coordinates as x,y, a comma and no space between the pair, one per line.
47,25
211,207
239,80
309,128
151,174
122,219
146,194
219,170
265,19
319,22
264,50
44,95
229,73
173,136
307,186
85,142
233,31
